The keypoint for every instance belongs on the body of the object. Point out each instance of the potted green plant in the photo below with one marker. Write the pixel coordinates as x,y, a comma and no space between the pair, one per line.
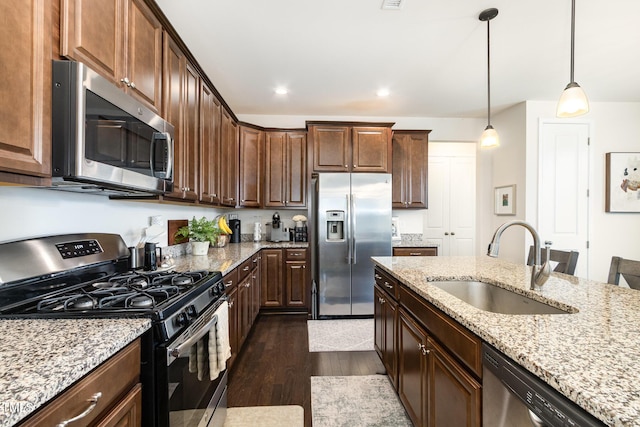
201,233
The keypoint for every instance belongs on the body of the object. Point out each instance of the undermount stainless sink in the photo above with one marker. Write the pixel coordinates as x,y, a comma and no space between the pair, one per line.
495,299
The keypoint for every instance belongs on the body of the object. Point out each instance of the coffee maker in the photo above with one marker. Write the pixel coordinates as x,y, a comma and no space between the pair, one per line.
234,225
276,231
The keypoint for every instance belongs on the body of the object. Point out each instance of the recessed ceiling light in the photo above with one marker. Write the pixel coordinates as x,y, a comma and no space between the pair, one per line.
281,90
383,93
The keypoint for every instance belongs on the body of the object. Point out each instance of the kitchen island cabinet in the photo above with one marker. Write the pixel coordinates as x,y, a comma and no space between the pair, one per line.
25,108
551,346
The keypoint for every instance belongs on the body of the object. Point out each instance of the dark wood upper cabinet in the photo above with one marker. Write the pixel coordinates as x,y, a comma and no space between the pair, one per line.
351,147
229,160
25,108
210,132
251,146
181,108
119,39
285,169
410,169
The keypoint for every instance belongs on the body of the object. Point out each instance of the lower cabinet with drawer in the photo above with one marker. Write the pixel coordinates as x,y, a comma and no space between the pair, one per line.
422,251
285,279
438,362
109,396
385,314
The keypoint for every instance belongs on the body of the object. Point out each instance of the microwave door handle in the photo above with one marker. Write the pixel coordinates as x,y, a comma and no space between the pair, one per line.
169,142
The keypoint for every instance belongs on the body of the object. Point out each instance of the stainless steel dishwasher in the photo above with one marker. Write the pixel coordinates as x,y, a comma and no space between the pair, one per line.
513,397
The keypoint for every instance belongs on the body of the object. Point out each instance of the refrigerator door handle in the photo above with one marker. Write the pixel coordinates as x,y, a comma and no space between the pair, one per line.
348,233
353,226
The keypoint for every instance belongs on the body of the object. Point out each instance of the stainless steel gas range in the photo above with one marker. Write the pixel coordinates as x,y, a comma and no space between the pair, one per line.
88,275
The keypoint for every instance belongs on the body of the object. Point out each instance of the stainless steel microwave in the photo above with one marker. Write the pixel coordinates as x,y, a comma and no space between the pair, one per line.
104,140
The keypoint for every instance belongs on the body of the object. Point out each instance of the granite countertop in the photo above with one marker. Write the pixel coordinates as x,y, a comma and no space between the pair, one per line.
229,257
40,358
591,356
423,243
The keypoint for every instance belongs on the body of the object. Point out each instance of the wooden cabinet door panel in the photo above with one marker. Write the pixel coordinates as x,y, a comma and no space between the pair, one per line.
454,397
296,170
331,148
412,369
25,109
144,60
93,32
191,113
209,147
272,285
275,169
229,160
410,169
244,310
390,348
379,319
251,142
371,149
175,64
296,279
128,412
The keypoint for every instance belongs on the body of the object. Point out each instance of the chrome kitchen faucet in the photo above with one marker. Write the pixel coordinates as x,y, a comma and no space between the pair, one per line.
539,272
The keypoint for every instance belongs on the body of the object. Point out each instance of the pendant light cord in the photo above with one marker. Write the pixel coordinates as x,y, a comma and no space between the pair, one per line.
573,35
489,74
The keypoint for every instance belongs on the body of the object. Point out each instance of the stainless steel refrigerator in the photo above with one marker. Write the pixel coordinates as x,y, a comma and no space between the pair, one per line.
352,223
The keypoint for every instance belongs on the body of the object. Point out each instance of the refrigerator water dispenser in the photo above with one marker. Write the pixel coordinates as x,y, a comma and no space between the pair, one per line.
335,225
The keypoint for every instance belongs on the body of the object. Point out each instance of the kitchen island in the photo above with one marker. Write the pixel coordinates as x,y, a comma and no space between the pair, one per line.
40,358
589,355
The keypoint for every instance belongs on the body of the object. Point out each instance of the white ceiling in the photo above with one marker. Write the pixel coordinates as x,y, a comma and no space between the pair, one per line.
333,55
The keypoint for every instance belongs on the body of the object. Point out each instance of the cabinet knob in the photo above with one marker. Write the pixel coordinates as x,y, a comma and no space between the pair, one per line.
453,233
354,166
446,233
125,80
346,166
231,304
132,85
246,268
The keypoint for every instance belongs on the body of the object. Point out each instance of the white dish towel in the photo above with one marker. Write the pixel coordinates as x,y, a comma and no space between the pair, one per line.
219,348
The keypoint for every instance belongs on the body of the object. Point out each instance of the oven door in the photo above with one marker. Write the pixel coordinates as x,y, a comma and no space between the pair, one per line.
190,396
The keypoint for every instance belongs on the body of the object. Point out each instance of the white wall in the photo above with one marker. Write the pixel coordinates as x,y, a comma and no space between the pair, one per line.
30,212
614,127
508,166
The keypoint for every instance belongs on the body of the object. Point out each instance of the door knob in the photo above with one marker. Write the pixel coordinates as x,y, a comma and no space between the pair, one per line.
453,234
446,233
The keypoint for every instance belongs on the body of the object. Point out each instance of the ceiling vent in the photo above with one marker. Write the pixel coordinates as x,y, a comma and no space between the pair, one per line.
391,4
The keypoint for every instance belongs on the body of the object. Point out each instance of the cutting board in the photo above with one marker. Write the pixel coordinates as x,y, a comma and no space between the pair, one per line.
173,226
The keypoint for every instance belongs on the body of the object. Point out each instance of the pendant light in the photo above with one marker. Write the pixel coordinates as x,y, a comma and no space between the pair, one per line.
489,137
573,101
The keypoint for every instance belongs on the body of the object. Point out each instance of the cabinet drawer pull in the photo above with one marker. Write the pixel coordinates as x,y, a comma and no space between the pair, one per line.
388,286
93,401
231,304
229,284
415,253
246,268
296,254
255,260
377,276
246,285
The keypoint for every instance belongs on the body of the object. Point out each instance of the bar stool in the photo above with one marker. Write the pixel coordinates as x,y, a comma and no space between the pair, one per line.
566,260
629,269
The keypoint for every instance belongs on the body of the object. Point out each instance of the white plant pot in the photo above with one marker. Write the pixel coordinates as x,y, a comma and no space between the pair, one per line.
199,248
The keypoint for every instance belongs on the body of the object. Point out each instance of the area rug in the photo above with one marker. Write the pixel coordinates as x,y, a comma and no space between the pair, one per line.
349,401
340,335
265,416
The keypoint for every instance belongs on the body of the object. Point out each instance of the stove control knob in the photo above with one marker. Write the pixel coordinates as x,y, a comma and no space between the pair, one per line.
181,319
191,311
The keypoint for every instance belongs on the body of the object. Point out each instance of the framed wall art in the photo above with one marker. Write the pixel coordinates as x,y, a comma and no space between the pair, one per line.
505,200
622,186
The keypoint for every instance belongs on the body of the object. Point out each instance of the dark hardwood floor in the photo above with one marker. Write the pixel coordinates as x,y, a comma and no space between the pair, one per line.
275,366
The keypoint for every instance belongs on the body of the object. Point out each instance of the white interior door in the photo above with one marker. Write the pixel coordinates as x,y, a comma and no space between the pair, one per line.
450,220
563,201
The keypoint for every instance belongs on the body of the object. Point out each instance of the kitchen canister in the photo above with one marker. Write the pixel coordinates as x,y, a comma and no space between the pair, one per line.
257,231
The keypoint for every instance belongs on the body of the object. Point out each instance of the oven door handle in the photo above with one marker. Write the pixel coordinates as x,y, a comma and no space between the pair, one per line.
176,352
